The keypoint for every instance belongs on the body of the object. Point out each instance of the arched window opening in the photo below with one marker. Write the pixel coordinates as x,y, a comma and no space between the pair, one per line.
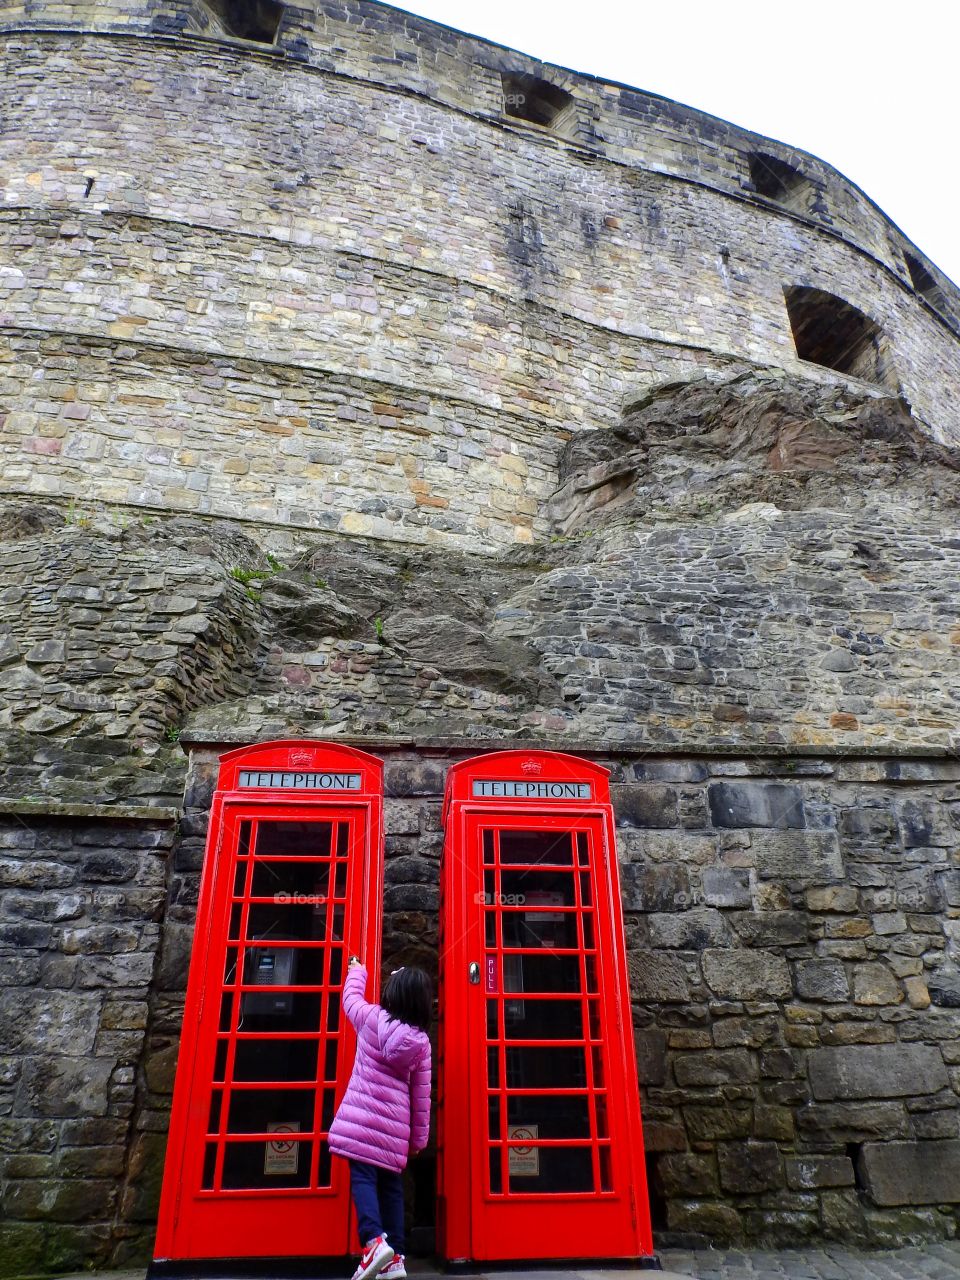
830,332
537,101
774,179
924,283
257,20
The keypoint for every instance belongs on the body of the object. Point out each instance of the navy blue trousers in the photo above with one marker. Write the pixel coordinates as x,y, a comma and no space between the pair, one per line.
378,1196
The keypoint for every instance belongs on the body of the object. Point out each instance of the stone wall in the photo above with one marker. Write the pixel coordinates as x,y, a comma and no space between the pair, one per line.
82,901
793,946
233,226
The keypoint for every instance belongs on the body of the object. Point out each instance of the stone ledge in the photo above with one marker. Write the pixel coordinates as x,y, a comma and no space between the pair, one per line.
69,809
234,737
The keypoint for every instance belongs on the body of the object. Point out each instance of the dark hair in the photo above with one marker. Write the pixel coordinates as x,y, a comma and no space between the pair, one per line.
408,997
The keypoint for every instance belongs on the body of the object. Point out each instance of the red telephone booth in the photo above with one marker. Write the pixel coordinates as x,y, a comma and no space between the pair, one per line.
291,887
540,1142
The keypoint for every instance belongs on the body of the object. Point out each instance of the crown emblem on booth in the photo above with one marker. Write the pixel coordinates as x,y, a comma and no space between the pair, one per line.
302,756
531,766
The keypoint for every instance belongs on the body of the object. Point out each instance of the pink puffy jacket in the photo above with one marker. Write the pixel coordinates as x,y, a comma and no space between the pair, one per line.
385,1114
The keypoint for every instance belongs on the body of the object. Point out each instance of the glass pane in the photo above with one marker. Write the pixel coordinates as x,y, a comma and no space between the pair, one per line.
278,1060
243,843
600,1102
550,930
493,1113
283,966
546,972
599,1080
564,1117
337,928
239,879
586,923
343,839
209,1166
340,886
213,1122
286,918
490,928
586,889
236,916
230,967
539,1169
333,1013
594,1019
538,1068
496,1175
536,847
493,1067
220,1060
301,881
583,849
226,1011
606,1178
543,1020
279,1011
493,1025
261,1110
294,839
336,966
535,888
590,966
327,1110
325,1170
488,846
281,1162
330,1060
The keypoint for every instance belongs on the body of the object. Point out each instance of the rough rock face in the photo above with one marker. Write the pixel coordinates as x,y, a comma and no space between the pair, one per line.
754,562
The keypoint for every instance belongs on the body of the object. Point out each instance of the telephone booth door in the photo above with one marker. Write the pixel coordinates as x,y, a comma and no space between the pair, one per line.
291,887
541,1148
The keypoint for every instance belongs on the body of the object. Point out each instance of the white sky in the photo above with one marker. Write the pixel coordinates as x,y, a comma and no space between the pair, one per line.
870,86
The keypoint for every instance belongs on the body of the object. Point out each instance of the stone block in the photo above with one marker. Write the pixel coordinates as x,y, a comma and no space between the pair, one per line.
706,1123
840,1122
656,888
824,980
876,1071
689,930
715,1067
875,984
656,976
911,1173
756,804
644,805
748,1168
726,886
808,1173
651,1049
741,974
808,857
686,1174
834,897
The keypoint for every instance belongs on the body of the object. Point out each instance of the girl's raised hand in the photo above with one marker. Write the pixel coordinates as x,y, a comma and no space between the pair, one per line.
355,962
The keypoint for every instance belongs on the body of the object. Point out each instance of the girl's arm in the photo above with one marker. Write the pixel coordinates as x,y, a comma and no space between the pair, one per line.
357,1009
420,1103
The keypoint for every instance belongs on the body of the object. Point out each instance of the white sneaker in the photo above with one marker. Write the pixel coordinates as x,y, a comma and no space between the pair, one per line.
377,1255
394,1270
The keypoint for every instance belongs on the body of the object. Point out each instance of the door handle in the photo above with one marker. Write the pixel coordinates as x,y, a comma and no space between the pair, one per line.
473,973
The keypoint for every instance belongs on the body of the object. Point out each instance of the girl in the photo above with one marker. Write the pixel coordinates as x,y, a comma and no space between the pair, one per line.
385,1113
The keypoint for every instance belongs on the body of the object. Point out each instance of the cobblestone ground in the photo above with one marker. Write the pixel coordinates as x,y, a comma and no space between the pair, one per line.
937,1261
928,1262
